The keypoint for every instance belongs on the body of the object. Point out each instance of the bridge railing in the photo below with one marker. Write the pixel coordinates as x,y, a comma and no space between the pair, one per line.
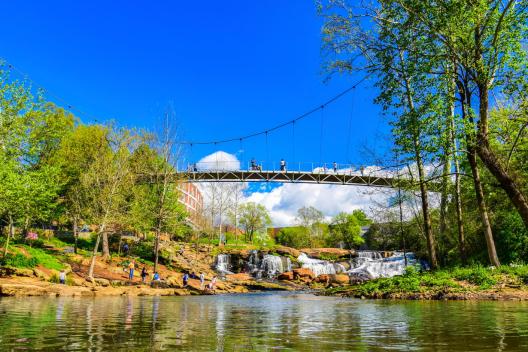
275,166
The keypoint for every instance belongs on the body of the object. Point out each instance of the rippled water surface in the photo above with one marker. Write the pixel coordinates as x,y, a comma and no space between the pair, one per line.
259,322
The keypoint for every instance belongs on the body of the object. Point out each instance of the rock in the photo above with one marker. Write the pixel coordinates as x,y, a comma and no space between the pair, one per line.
41,274
341,279
287,276
328,253
303,273
283,250
15,290
12,271
238,277
102,282
175,281
325,279
346,264
266,286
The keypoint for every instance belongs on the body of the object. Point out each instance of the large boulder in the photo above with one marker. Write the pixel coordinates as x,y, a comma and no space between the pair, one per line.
283,250
287,276
303,273
340,279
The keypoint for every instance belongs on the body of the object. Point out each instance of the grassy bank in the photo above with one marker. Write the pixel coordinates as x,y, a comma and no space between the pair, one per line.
457,283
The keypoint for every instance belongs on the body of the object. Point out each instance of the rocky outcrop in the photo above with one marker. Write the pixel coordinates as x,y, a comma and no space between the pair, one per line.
287,276
282,250
329,253
303,273
339,279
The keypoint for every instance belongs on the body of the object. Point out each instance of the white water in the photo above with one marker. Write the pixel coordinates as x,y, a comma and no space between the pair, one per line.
319,267
371,265
223,264
273,265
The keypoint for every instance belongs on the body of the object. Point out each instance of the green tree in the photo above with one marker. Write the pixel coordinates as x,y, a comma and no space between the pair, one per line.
346,228
254,218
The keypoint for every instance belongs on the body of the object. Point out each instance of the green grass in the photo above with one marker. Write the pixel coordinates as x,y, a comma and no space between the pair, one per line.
467,279
36,256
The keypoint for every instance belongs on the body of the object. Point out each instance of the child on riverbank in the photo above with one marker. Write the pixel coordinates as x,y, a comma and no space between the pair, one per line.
62,277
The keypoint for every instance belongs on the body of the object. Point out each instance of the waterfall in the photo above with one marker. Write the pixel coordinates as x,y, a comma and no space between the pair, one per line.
273,265
371,265
319,267
253,263
223,264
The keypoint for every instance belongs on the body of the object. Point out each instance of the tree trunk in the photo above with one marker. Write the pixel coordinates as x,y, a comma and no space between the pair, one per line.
458,201
431,243
106,248
472,148
492,162
444,193
75,235
9,234
94,255
156,249
479,193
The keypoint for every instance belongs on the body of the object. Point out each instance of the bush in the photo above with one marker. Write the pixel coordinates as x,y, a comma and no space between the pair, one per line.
476,275
44,258
18,261
295,237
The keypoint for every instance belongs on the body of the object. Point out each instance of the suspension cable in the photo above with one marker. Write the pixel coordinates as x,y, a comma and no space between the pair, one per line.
284,124
321,136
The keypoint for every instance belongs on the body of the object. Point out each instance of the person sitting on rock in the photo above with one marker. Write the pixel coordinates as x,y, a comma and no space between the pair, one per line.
185,279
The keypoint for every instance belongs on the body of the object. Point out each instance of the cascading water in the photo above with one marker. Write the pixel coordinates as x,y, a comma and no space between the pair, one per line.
223,264
371,265
253,263
272,265
319,267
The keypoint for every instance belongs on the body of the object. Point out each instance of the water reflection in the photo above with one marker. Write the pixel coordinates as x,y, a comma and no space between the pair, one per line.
260,322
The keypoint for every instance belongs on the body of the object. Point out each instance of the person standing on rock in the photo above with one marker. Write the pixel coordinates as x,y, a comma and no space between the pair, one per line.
212,284
202,281
144,274
62,277
185,279
131,268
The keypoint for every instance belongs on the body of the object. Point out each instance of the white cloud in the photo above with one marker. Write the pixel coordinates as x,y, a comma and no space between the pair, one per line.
284,200
219,161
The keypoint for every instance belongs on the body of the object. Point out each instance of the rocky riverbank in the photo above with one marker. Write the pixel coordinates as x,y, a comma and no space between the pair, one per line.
111,275
469,283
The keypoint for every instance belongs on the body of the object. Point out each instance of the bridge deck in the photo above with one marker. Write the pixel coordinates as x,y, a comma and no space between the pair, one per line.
290,177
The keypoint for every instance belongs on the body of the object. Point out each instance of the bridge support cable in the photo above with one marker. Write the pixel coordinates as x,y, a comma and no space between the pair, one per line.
349,137
293,143
321,137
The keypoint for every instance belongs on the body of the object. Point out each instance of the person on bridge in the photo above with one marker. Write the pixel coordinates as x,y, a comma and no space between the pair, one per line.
335,167
253,164
282,165
195,168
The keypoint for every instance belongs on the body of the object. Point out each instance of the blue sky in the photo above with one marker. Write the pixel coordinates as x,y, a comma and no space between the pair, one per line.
227,68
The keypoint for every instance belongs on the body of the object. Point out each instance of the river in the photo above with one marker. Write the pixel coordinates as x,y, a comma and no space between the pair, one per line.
260,322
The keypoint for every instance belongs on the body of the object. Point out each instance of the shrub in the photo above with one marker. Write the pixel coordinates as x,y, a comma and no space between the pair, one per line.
19,260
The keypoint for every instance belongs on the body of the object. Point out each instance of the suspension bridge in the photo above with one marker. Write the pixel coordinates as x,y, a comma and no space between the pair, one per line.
331,174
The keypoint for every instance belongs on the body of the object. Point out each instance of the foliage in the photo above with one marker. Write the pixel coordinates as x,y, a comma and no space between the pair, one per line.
254,218
469,279
18,260
346,229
